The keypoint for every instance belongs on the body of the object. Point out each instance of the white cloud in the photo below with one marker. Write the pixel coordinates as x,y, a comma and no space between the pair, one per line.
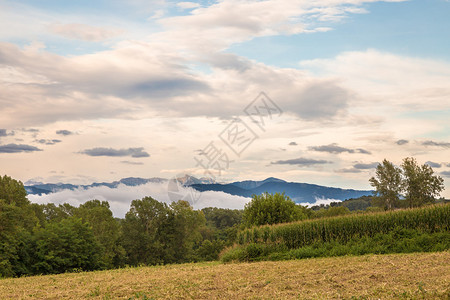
320,201
388,78
174,67
218,26
148,77
144,78
120,198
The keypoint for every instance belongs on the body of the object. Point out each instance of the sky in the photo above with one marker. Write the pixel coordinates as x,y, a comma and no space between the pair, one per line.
306,91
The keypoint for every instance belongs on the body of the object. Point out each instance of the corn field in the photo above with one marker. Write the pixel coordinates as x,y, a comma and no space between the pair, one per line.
345,228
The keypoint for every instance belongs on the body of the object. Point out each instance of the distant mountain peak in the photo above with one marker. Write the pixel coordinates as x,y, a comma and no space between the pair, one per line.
251,184
32,182
273,179
188,179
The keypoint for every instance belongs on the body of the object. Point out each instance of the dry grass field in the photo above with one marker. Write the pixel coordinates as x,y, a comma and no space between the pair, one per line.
399,276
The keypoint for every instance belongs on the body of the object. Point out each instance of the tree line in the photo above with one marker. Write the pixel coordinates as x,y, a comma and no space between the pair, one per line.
50,239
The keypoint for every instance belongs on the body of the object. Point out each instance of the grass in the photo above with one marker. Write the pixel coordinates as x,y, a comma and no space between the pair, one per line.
401,276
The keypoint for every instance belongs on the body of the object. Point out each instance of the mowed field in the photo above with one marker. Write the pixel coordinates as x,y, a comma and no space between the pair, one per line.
401,276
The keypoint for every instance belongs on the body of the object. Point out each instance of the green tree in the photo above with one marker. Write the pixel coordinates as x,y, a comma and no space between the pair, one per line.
106,230
14,240
182,232
222,218
13,192
416,184
419,184
17,221
222,225
53,213
360,203
388,185
272,209
142,231
66,246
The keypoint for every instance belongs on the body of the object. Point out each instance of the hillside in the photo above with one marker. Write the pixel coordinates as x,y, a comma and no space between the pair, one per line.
401,276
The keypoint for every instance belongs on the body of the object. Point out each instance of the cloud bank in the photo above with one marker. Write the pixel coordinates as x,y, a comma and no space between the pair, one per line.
120,198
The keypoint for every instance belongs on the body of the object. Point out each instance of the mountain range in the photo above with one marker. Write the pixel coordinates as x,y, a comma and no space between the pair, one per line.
299,192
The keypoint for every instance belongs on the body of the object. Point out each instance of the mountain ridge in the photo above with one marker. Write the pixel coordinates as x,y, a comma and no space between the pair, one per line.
298,192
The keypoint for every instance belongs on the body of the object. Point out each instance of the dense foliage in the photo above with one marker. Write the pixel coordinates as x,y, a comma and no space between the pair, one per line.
48,239
65,246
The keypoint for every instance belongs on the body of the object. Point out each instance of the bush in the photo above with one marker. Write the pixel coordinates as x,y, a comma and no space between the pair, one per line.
272,209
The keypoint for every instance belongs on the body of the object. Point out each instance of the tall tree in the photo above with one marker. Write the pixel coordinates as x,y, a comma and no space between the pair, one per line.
17,221
387,184
106,230
15,239
142,231
416,184
186,223
420,185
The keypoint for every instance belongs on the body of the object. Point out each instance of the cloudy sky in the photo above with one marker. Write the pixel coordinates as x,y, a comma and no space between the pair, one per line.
101,90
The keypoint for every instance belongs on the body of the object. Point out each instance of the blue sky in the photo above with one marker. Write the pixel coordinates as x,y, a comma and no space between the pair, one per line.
165,78
413,28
